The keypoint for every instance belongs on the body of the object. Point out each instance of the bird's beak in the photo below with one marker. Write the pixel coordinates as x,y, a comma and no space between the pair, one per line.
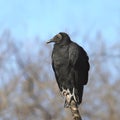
49,41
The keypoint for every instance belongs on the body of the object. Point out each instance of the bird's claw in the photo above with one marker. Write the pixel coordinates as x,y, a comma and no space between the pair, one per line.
67,103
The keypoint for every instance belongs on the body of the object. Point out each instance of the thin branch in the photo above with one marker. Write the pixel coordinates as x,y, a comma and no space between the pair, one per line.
75,111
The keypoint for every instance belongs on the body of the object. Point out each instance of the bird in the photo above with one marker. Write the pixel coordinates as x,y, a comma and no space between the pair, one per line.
70,64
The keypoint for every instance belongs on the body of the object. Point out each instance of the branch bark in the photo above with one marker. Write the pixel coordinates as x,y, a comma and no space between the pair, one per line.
75,111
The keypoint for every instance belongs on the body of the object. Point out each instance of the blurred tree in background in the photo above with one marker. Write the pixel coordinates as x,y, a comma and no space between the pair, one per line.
28,90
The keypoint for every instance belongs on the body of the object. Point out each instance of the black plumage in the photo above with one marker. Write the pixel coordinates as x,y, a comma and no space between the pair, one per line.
70,65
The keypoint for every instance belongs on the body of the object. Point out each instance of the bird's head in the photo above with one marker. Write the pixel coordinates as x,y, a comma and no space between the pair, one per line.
60,38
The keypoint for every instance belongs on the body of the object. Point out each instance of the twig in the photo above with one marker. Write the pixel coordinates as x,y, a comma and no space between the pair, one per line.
75,111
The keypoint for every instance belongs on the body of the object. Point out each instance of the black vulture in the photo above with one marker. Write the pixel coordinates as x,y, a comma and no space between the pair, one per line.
70,64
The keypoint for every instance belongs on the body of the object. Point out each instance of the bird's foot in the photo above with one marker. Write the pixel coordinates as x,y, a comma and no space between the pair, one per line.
68,96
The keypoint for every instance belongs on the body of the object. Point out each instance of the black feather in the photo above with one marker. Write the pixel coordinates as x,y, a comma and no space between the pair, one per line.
70,65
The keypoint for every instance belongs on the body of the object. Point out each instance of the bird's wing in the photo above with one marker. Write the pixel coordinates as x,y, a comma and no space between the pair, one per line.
73,54
78,59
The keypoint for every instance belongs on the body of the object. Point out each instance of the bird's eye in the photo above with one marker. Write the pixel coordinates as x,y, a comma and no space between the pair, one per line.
57,37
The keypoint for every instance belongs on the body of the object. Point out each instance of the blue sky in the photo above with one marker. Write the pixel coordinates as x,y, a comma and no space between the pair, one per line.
45,18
